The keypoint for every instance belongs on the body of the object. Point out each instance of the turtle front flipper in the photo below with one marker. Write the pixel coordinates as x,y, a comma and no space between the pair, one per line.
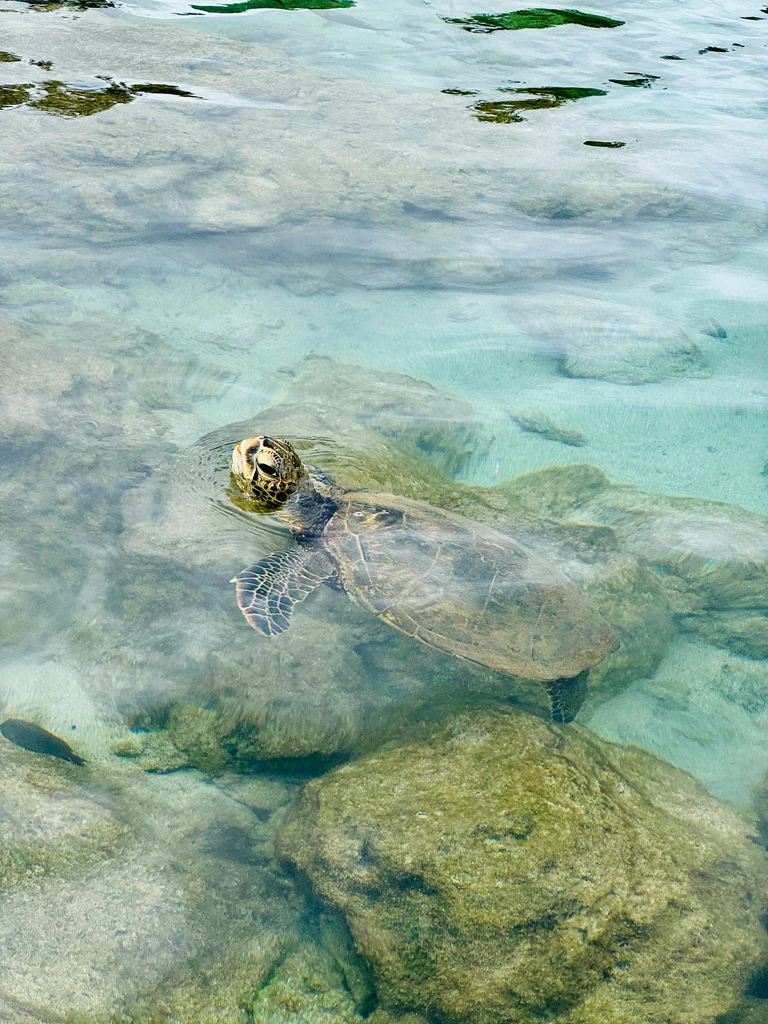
268,591
567,696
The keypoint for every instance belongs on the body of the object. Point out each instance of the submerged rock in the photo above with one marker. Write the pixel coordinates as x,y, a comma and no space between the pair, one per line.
128,897
342,400
538,422
706,560
308,986
506,870
609,341
710,557
742,631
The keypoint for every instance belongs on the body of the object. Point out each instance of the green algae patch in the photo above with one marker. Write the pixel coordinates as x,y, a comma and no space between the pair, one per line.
308,986
9,58
64,101
505,870
544,98
605,145
533,17
275,5
14,95
459,92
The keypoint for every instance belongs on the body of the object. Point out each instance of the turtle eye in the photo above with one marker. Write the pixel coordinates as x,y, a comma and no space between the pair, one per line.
267,468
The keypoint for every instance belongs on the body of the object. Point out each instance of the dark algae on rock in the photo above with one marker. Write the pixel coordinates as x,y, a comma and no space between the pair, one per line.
274,5
157,88
38,740
67,5
532,17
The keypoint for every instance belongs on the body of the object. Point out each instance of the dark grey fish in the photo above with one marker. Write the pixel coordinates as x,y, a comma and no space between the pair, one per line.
34,737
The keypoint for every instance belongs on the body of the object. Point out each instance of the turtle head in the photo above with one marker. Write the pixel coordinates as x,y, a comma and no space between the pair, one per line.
267,468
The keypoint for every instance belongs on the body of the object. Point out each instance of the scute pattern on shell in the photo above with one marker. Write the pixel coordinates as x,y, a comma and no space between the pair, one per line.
464,588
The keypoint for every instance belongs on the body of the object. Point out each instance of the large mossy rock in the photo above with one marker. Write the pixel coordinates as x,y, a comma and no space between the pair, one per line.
507,870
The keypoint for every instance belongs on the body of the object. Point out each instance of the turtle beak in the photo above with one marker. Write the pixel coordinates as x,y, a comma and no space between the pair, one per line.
242,466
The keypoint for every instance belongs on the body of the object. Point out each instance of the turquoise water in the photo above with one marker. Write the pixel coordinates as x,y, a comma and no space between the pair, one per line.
386,237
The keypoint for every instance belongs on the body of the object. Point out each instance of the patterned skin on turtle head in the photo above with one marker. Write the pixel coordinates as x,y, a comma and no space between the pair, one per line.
269,468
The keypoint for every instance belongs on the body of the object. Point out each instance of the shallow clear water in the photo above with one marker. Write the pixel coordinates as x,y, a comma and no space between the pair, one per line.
172,267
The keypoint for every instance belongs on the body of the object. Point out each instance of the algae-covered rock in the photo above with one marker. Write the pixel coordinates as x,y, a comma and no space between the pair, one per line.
508,870
535,421
308,986
336,399
706,560
50,825
132,897
536,17
332,685
152,751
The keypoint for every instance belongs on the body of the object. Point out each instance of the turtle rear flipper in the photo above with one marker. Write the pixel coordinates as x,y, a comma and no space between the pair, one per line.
268,591
567,696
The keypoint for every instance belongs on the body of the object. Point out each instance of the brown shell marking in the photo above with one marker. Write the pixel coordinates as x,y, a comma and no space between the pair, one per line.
464,588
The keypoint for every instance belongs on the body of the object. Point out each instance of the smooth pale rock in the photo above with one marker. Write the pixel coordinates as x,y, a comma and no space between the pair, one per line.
505,870
609,341
707,555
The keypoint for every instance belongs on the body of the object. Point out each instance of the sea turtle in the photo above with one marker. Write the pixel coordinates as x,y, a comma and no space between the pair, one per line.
453,584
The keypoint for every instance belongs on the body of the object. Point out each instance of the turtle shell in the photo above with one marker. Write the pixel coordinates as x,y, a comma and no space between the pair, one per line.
464,588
